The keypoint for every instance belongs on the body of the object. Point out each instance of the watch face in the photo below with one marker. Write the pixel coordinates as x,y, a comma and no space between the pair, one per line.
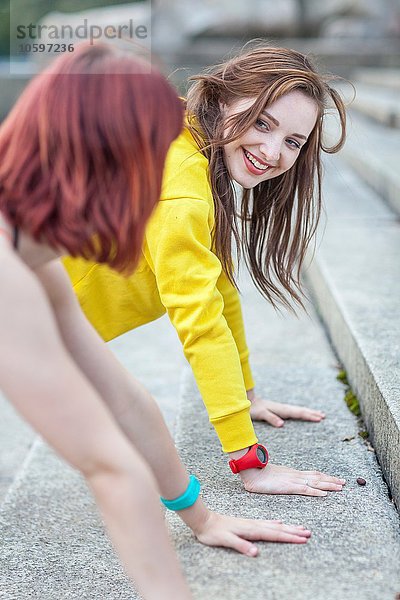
261,454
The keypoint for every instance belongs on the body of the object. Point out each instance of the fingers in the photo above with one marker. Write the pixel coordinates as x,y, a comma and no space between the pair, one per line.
274,413
307,490
317,476
268,531
311,477
239,534
326,485
273,419
240,545
290,411
310,415
318,488
264,414
257,530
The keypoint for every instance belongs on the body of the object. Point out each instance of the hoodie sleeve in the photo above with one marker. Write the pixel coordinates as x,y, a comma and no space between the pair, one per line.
178,250
233,315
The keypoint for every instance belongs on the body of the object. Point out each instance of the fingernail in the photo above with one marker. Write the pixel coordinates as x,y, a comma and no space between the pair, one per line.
252,551
342,481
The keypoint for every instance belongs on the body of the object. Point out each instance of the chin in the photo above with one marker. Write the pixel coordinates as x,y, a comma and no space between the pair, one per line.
243,180
247,184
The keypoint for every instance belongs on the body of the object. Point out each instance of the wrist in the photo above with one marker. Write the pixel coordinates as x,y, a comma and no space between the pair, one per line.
238,453
195,516
248,475
249,460
251,394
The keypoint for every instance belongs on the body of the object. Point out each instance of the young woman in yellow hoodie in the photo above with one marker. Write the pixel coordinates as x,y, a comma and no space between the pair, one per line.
77,176
255,121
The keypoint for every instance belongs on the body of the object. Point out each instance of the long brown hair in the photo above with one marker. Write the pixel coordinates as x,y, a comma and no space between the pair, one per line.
279,216
82,153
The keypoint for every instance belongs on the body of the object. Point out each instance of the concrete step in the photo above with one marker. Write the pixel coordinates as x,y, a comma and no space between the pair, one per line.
373,152
355,548
388,78
379,104
355,281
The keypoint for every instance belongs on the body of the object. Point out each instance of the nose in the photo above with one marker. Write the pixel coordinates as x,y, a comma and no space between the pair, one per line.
271,152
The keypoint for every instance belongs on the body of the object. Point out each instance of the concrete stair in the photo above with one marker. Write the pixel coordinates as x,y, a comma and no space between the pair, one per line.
355,284
373,145
373,151
379,103
355,276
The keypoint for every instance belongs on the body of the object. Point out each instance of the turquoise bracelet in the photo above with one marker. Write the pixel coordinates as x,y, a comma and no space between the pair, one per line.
187,499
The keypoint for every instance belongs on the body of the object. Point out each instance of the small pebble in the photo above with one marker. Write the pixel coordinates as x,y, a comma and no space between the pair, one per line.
361,481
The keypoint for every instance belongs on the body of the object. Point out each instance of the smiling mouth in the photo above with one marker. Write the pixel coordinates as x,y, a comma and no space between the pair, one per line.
261,167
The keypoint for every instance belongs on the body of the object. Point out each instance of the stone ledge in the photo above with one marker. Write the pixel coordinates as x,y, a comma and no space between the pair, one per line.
373,151
354,280
378,104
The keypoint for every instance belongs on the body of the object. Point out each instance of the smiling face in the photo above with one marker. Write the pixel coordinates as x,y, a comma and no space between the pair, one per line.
272,144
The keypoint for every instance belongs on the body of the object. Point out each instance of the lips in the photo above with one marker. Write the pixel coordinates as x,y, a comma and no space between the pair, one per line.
249,160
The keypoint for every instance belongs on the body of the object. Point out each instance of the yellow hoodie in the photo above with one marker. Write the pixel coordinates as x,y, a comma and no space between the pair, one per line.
179,273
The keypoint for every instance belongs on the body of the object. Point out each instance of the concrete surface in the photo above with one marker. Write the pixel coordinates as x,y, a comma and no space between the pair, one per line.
355,548
355,281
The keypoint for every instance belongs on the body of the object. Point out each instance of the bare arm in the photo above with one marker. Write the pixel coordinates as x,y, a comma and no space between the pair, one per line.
39,377
140,419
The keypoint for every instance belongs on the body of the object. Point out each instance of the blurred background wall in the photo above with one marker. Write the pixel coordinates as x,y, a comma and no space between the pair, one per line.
186,35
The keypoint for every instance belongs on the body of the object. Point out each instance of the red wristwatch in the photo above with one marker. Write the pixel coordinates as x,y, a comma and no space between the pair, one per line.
255,458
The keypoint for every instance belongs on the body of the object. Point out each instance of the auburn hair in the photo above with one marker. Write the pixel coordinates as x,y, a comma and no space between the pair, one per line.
278,217
82,153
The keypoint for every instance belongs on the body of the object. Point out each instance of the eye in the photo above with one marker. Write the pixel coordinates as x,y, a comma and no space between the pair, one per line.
262,125
294,144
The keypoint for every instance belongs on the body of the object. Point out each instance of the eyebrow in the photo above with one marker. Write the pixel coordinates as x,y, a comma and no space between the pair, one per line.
299,135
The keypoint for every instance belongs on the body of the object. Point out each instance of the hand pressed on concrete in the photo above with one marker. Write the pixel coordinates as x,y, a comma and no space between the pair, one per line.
238,534
277,479
274,413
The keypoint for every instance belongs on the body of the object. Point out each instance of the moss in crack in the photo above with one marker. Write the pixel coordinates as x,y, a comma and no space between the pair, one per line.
342,376
350,398
353,405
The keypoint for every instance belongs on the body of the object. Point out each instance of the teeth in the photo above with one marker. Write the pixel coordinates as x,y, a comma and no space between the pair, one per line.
255,162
